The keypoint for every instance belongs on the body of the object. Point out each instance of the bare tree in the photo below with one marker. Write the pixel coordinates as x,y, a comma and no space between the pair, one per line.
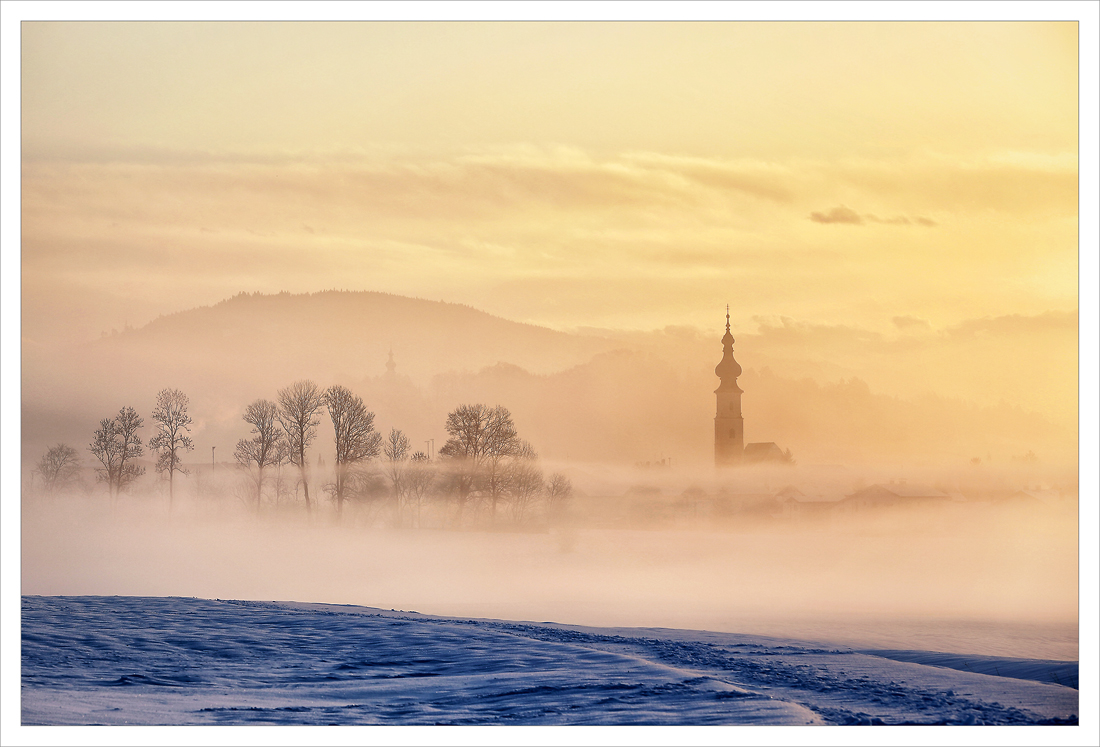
463,450
59,467
524,479
173,423
281,483
481,439
299,405
502,446
264,449
116,444
418,480
396,448
356,439
558,490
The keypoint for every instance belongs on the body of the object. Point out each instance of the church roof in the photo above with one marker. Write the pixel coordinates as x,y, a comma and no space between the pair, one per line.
727,369
901,490
763,450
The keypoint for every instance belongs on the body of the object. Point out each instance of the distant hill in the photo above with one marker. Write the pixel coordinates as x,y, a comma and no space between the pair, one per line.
351,333
248,346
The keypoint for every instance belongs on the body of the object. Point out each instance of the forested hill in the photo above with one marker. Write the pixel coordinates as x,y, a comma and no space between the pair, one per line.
333,332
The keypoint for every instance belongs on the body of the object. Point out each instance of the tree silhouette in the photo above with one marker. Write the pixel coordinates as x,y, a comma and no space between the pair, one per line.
299,405
524,480
396,448
116,444
418,479
59,467
264,449
355,437
481,439
173,423
558,491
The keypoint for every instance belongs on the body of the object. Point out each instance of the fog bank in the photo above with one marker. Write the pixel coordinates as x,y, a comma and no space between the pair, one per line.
971,574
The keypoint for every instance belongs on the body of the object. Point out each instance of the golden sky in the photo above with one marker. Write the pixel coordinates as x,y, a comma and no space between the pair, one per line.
899,178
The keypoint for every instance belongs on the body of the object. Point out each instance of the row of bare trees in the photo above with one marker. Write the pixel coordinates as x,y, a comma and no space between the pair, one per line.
116,445
483,458
282,433
490,459
484,461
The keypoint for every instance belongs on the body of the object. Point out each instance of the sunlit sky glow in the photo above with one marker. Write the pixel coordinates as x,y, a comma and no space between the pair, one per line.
568,174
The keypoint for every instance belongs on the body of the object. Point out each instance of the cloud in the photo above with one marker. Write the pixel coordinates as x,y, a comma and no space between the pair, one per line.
1008,330
505,186
546,223
843,214
1036,185
897,220
1049,323
794,332
910,322
839,214
763,180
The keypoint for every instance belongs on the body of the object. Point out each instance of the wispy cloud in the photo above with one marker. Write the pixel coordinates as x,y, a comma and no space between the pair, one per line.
844,214
1051,322
515,223
910,323
839,214
1012,183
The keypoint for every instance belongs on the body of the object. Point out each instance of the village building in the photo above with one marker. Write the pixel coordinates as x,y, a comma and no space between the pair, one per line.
795,505
894,495
763,452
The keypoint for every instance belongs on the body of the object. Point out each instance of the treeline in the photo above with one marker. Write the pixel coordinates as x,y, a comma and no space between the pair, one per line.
484,472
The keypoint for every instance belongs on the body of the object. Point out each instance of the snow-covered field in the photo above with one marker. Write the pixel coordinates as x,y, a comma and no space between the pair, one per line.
171,660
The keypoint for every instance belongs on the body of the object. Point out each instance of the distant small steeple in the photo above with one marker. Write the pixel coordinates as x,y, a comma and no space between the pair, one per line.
391,367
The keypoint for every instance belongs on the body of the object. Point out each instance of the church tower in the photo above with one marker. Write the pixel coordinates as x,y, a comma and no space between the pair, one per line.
729,426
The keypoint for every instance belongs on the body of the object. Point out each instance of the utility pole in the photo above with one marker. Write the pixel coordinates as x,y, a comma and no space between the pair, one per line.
430,445
212,457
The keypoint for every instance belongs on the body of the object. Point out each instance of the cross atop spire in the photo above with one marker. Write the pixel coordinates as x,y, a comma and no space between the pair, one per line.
727,317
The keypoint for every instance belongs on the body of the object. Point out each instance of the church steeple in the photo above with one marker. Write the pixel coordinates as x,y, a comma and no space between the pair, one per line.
391,367
729,426
727,369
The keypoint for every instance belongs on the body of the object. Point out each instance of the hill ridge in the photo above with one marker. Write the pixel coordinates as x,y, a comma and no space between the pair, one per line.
349,295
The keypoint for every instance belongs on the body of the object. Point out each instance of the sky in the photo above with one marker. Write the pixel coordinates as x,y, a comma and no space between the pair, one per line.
622,175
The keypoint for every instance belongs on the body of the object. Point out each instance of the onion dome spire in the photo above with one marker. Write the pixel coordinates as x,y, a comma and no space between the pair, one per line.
727,369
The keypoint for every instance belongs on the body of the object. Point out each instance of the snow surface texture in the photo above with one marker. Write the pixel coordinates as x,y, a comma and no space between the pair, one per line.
171,661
